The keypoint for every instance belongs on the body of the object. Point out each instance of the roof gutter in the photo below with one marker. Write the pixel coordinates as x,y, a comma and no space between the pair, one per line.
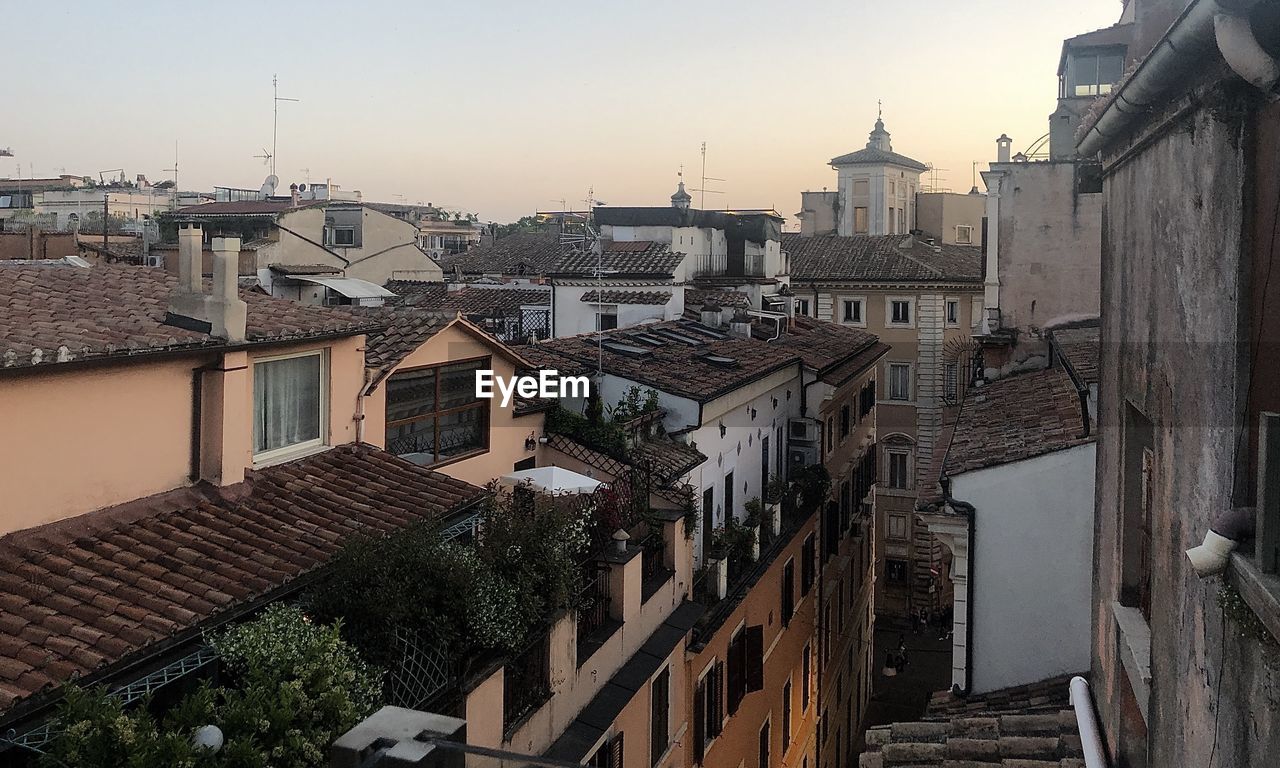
1203,26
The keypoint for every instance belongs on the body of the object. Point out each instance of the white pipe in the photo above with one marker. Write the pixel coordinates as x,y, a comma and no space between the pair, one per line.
1095,756
1242,52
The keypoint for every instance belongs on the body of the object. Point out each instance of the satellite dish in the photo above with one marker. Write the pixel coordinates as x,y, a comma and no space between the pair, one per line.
269,185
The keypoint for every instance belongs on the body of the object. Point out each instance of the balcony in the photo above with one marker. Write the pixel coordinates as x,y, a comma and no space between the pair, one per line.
730,266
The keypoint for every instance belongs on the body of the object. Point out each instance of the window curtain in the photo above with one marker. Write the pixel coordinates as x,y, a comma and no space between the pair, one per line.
286,397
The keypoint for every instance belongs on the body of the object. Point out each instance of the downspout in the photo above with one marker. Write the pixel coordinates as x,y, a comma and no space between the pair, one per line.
1087,724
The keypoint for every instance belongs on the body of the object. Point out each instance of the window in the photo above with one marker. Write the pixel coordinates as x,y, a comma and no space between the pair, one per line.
763,761
808,553
606,321
860,224
288,404
891,189
902,220
896,526
728,496
900,312
852,311
895,571
1139,468
861,187
831,422
892,221
609,755
844,421
659,712
899,461
745,664
433,414
788,592
802,307
953,312
806,664
951,383
708,709
786,715
344,236
1092,74
899,381
964,234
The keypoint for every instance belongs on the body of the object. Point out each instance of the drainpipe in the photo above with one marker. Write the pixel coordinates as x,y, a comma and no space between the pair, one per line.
1087,724
1207,24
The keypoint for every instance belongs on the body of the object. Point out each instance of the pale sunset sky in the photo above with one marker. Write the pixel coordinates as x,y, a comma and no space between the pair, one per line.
503,108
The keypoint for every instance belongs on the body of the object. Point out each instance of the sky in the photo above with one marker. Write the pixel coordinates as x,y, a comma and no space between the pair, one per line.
504,108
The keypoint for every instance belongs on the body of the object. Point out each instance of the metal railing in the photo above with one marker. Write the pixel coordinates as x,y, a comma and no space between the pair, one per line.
526,681
593,601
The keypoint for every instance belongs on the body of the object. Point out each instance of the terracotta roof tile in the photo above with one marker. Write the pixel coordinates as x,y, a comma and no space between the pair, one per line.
1016,418
541,253
55,314
658,298
469,299
1079,347
290,519
401,331
889,258
695,299
1049,695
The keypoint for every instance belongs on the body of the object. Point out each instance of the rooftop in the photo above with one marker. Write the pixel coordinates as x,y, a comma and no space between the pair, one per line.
245,208
1015,418
621,259
873,156
83,594
59,313
695,299
885,258
652,298
1079,348
681,357
1048,740
524,253
1048,695
469,299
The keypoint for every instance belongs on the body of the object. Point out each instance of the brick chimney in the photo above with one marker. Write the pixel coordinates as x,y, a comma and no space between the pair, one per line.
222,313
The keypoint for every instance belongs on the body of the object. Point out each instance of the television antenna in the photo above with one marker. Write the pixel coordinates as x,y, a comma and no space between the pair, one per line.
702,202
276,98
6,152
933,177
266,159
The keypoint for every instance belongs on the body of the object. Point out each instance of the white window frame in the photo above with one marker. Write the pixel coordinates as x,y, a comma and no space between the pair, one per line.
283,453
911,311
862,311
602,310
949,302
889,366
967,229
802,307
905,452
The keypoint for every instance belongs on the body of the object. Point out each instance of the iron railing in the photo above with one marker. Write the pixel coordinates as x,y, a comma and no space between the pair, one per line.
593,601
526,681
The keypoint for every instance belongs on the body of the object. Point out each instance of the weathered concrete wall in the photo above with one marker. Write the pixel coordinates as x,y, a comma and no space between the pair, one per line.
1049,247
1171,289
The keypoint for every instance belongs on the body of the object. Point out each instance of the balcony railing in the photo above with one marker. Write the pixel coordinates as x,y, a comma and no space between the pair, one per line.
725,265
653,564
593,605
526,681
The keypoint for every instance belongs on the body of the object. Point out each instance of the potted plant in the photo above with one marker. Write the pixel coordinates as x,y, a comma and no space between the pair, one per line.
755,514
774,493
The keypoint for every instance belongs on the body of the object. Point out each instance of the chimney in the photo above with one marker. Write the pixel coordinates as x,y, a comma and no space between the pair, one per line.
293,194
740,326
221,314
1004,148
711,314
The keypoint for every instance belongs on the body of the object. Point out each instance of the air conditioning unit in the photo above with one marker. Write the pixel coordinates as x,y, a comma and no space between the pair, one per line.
801,456
805,431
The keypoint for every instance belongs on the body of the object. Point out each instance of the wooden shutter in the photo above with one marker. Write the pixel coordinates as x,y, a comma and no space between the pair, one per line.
737,672
754,654
615,752
718,710
699,719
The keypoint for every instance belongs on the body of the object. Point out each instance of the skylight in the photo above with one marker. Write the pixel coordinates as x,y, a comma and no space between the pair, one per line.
627,350
679,337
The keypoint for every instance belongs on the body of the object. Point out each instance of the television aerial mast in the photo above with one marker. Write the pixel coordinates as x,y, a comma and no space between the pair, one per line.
276,98
702,202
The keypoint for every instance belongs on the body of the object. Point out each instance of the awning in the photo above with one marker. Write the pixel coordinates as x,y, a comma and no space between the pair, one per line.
553,480
351,287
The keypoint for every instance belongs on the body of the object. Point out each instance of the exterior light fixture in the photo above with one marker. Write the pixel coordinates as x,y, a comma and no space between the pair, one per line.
723,430
530,442
208,737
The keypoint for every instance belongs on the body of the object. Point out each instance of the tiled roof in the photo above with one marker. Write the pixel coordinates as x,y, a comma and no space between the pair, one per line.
695,299
1015,741
888,258
1016,418
671,461
1079,347
304,269
1048,695
401,331
837,352
627,297
755,225
54,314
872,156
467,299
128,251
86,593
244,208
669,365
524,253
621,259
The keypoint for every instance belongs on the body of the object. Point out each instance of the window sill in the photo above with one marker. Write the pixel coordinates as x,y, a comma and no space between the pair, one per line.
1133,641
263,461
1261,591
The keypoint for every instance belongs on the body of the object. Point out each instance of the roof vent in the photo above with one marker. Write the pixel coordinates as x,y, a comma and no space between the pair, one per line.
722,361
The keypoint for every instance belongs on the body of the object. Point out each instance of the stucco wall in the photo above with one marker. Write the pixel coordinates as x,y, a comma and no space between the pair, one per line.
939,213
1030,579
1050,244
387,246
1171,291
78,440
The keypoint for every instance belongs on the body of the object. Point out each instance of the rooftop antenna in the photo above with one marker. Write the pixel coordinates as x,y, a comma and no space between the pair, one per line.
266,160
276,98
174,171
702,202
306,174
974,190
